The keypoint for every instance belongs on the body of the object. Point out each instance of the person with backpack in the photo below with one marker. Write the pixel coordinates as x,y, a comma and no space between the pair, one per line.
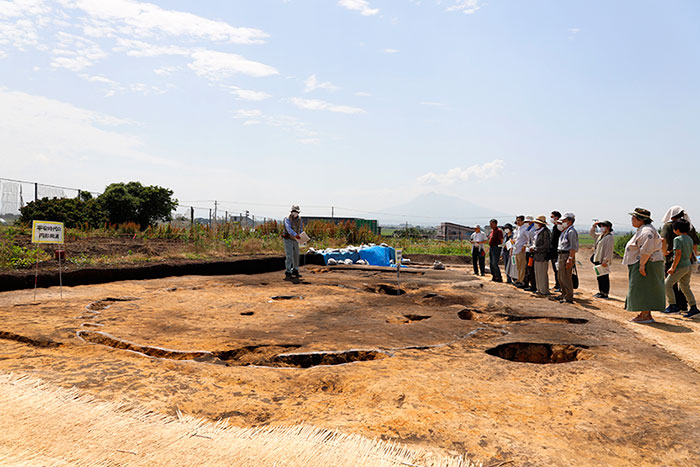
675,213
681,269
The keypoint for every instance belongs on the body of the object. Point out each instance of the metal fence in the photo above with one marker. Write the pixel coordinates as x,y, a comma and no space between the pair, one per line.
15,194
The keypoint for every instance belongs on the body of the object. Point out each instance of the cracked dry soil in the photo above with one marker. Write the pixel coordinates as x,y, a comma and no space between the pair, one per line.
453,364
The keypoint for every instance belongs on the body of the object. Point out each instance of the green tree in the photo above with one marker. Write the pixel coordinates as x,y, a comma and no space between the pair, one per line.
73,212
133,202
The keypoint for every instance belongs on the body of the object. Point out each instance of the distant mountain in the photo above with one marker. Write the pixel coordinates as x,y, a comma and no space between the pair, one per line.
434,208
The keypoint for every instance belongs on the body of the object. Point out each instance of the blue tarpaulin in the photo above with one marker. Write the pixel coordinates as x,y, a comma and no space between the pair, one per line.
374,255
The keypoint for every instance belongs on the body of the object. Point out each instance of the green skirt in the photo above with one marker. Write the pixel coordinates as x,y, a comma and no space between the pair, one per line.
646,293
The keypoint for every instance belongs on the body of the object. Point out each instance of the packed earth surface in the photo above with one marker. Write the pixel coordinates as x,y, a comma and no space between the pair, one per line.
442,360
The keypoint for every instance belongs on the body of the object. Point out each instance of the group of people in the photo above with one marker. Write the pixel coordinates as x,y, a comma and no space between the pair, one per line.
530,247
659,264
527,251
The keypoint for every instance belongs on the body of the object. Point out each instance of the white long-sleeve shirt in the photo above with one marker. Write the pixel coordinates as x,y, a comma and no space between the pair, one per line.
523,238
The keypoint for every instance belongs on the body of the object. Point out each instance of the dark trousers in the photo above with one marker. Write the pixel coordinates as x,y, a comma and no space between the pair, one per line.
556,273
681,301
494,257
603,282
530,272
478,261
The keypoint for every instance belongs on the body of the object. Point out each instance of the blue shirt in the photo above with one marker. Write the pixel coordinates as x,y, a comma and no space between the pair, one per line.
288,227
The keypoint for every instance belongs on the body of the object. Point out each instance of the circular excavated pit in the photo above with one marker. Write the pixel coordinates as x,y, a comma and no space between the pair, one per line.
405,319
387,289
476,315
528,352
308,360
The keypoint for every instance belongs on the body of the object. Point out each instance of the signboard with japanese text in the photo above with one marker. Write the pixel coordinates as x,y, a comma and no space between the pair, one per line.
47,232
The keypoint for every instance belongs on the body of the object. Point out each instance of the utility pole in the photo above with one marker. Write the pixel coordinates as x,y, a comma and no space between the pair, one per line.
332,212
192,216
36,192
210,218
216,205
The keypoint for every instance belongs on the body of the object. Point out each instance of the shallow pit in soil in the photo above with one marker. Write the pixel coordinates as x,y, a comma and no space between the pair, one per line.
386,289
268,355
405,319
476,315
528,352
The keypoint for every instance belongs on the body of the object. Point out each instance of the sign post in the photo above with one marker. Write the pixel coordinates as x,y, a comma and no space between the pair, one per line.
398,257
44,232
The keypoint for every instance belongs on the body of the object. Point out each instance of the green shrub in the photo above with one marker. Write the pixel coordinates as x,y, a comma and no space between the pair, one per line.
13,256
73,212
620,243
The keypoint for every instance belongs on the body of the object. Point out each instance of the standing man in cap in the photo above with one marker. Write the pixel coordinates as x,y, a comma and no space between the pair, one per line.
556,232
292,233
568,246
478,239
520,241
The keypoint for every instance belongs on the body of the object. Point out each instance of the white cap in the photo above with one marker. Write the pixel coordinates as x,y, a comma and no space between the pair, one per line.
529,219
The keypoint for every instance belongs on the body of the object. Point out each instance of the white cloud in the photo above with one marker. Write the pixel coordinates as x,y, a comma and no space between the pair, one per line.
456,175
248,113
390,51
34,128
309,140
362,94
166,70
219,65
467,7
133,18
247,94
114,87
75,53
573,32
317,104
289,124
311,84
135,48
359,5
433,104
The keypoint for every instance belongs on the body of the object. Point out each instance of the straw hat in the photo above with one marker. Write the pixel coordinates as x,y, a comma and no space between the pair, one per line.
542,220
641,213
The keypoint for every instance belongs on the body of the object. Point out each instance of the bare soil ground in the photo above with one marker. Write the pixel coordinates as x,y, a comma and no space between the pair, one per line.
456,364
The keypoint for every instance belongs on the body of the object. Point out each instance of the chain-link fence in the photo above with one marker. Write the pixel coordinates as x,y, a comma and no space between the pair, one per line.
15,194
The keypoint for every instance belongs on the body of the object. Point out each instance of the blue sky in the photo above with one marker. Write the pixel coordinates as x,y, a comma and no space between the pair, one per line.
522,106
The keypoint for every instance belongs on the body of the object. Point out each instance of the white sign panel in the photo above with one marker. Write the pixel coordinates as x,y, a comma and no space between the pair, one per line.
47,232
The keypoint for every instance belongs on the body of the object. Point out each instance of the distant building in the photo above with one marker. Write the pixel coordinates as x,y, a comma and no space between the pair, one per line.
371,224
450,231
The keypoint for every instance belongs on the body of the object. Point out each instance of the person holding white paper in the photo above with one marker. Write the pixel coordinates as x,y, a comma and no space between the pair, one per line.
292,235
602,255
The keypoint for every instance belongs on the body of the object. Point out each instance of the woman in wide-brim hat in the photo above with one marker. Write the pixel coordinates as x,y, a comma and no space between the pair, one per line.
645,263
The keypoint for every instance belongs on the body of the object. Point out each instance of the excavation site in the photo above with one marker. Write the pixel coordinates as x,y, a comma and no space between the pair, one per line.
346,367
